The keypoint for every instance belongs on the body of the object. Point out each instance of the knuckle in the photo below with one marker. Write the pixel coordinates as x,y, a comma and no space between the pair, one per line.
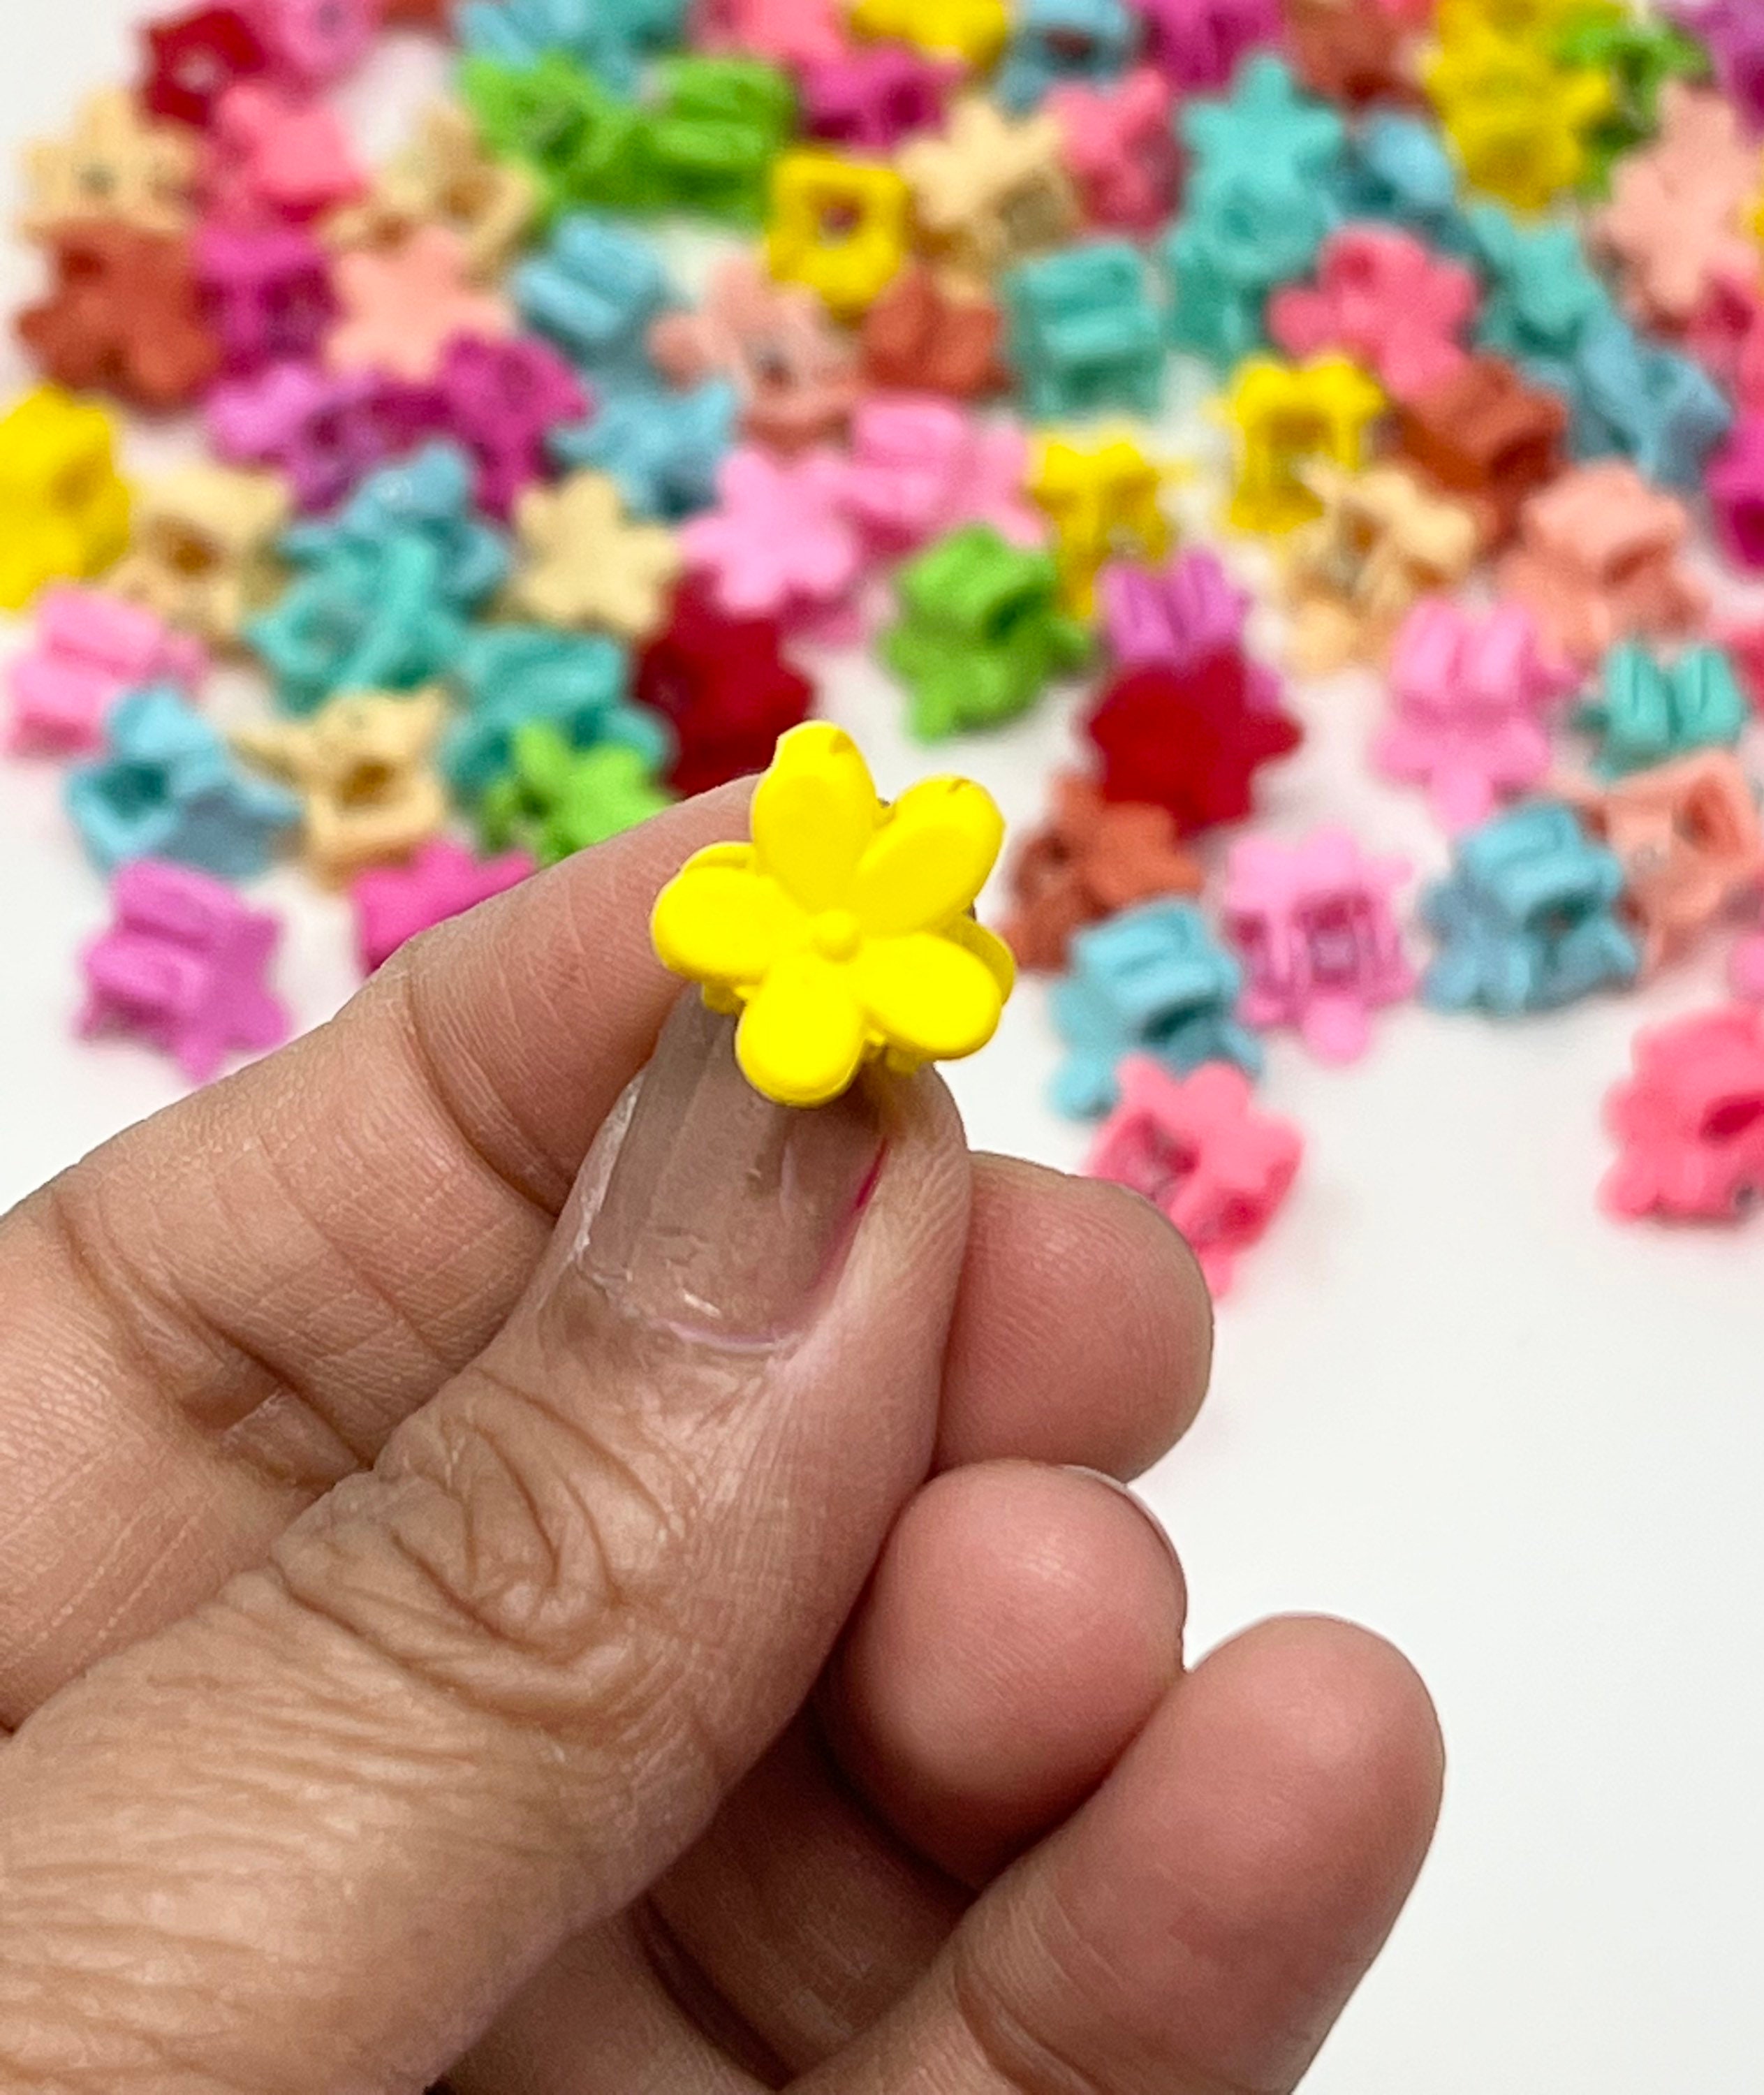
506,1551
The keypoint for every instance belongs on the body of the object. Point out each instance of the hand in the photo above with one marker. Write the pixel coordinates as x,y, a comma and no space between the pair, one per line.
662,1648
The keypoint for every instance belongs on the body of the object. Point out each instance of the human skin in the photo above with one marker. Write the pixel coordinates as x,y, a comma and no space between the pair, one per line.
670,1622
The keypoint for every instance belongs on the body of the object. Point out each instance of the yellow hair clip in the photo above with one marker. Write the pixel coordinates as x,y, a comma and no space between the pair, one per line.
843,933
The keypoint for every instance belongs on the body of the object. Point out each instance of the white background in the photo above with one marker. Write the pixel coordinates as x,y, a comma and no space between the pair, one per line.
1451,1401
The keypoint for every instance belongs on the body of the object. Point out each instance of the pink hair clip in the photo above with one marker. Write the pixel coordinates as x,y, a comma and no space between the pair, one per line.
1119,149
1599,561
1690,1122
90,648
184,966
1470,697
1315,929
1197,1149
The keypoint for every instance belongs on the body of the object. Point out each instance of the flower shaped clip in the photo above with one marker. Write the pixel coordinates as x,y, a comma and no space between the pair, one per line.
842,933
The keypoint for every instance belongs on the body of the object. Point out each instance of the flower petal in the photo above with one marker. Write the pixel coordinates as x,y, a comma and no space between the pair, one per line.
930,996
801,1038
989,949
814,813
929,859
718,921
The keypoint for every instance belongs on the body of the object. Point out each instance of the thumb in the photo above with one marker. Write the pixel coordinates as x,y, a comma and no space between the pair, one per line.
313,1835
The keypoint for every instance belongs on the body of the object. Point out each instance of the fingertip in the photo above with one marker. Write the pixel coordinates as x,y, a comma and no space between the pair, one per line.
1022,1624
1265,1829
1084,1334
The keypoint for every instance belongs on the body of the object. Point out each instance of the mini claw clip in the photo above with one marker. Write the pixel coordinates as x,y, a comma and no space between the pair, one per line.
512,676
723,686
272,154
1642,56
1471,698
185,966
314,43
192,59
1266,119
1092,859
508,403
838,225
569,136
1676,218
1103,501
794,374
595,291
1647,713
1690,1122
1315,926
981,632
90,648
1258,202
868,98
790,33
1733,34
1285,418
1688,838
1647,403
167,786
1488,437
124,316
555,800
1195,1147
1383,299
63,506
921,336
202,556
1192,740
609,41
394,902
1119,149
360,620
113,168
1600,560
1541,295
1528,918
988,192
1521,123
1397,171
780,543
920,467
266,292
1351,574
970,32
426,496
1153,982
660,449
1085,331
1358,57
709,142
1736,487
321,430
586,563
1055,43
1196,44
444,176
1173,617
843,933
363,766
402,306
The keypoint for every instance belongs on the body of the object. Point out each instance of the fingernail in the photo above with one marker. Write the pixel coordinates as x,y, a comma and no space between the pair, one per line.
1133,1499
715,1214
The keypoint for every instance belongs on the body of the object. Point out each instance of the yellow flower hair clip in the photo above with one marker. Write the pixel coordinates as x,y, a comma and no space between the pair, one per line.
843,933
